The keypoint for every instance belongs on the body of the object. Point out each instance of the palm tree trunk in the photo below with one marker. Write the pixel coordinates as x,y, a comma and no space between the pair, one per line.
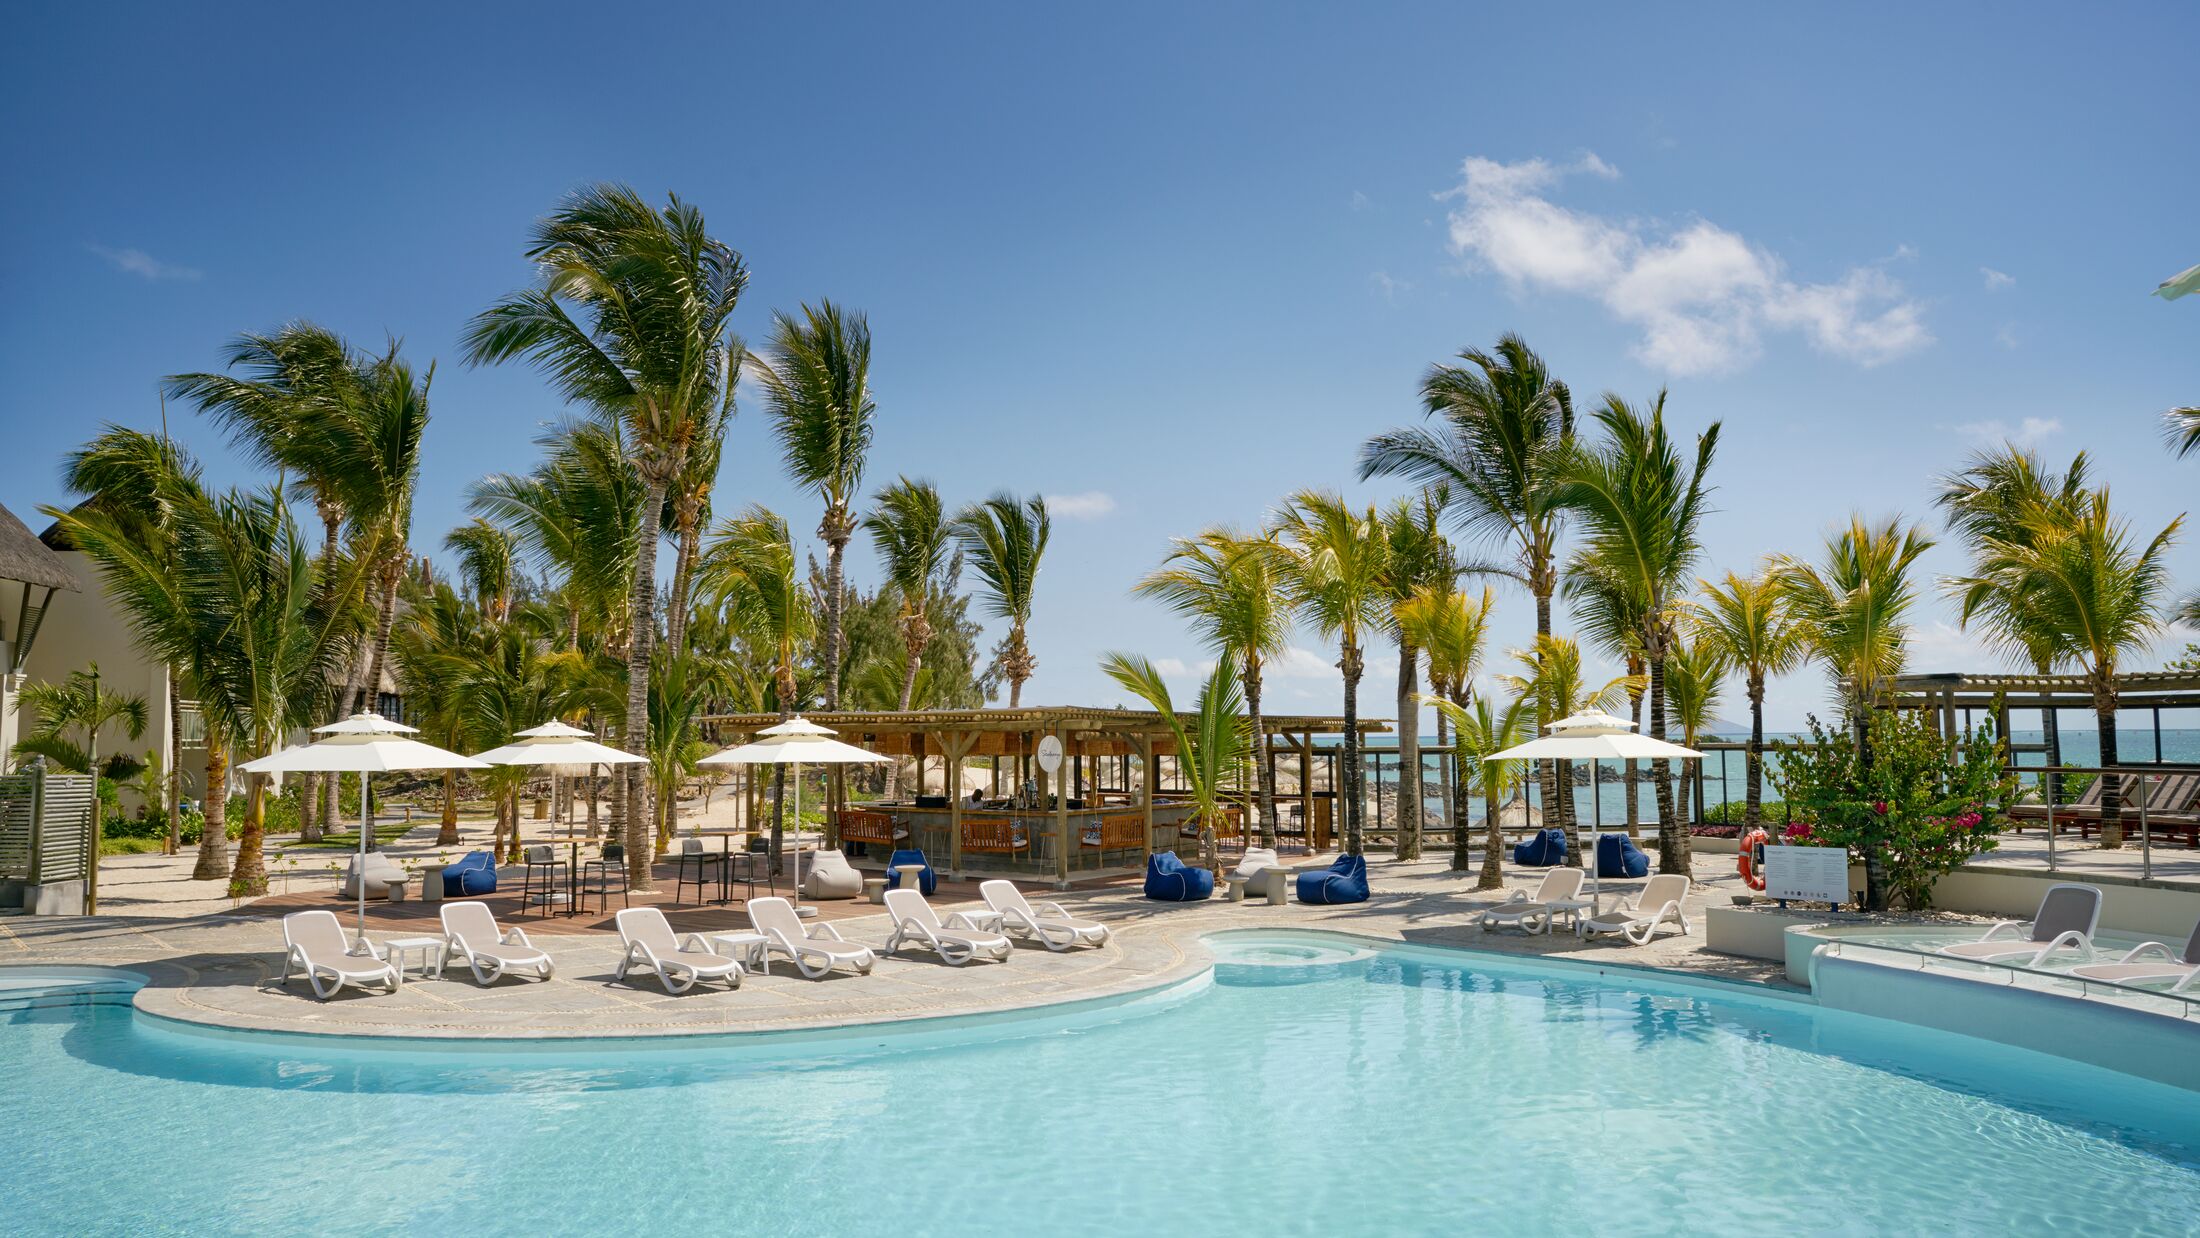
1445,772
214,840
1673,850
1493,837
683,577
1409,754
1555,804
1016,662
1753,806
1263,770
175,766
641,630
836,540
1633,788
249,877
447,836
1354,777
2051,731
385,617
2112,791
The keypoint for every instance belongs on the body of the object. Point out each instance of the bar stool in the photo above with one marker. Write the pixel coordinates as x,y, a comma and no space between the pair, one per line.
602,875
545,874
693,866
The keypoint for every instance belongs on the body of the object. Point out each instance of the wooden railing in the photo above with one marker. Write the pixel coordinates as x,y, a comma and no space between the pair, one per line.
1112,831
995,836
857,825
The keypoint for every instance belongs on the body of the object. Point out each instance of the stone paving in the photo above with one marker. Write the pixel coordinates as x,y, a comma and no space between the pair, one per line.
221,969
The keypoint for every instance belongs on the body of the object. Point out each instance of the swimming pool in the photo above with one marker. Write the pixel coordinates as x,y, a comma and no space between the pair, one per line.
1315,1086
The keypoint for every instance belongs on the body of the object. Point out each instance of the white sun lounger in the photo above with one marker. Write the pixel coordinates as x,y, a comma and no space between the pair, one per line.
1663,900
813,951
2181,970
956,942
1532,912
649,941
313,944
470,932
2067,917
1049,925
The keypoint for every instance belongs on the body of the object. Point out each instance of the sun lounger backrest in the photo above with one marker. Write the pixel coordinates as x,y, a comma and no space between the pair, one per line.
1559,883
1004,896
776,914
648,926
2067,908
318,933
1662,889
2192,947
472,923
910,905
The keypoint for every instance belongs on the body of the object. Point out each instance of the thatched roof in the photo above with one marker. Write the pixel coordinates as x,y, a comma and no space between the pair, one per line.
23,557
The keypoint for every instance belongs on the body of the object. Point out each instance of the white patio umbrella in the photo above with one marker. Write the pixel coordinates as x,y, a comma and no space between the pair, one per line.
797,742
562,749
2185,281
365,743
1594,736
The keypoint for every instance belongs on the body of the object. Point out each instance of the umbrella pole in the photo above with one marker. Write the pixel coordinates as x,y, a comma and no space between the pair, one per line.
798,835
362,876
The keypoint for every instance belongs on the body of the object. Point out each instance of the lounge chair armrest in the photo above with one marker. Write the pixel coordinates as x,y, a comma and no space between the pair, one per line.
375,949
1055,909
518,935
959,920
2072,938
2144,948
696,945
2018,927
827,930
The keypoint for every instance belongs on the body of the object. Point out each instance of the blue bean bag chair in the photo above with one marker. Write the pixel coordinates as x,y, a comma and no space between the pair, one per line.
1618,856
928,882
1171,881
1345,882
476,873
1547,849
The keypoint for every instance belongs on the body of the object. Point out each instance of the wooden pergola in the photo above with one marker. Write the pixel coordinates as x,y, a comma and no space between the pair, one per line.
1957,698
1091,739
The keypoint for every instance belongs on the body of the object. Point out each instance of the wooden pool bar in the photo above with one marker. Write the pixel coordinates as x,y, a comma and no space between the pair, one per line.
1117,768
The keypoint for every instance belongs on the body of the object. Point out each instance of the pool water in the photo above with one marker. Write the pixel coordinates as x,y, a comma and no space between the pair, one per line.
1313,1088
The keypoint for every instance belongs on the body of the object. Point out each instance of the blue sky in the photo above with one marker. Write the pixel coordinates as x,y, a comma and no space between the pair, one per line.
1166,265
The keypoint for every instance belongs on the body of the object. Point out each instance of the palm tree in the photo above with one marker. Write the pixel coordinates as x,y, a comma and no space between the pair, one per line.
909,527
1416,558
1332,573
1452,628
1999,498
1640,504
1853,608
577,518
1508,423
2100,591
750,573
689,506
629,319
817,381
1552,678
1746,618
487,561
1479,730
245,610
435,647
123,473
1004,539
1610,612
1695,675
71,714
1211,752
1226,584
2181,426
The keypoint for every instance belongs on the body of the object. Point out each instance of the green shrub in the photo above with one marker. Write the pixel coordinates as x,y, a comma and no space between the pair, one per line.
1772,812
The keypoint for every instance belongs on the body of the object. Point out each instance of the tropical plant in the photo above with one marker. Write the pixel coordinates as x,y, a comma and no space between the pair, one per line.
1640,504
1854,607
1005,539
749,571
1416,558
687,509
1211,752
1695,681
71,714
1921,804
1508,424
1332,573
1746,619
909,527
630,319
1227,585
487,561
1552,679
2181,426
1452,628
817,383
577,518
1479,730
435,647
2086,579
1611,615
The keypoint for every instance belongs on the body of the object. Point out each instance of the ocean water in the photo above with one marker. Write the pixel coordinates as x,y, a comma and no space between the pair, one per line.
1404,1092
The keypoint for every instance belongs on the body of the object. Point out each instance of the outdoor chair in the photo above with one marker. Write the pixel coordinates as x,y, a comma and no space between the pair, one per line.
1663,900
813,951
475,874
692,865
544,879
928,882
2067,916
381,873
1618,856
957,941
827,874
650,942
471,933
1543,849
1345,881
2181,970
314,946
603,875
1046,924
1532,912
1170,880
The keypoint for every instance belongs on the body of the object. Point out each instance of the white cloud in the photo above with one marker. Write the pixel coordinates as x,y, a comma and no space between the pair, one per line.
1997,280
1701,294
1090,505
2030,432
138,262
1178,668
1389,285
1302,663
2006,336
1361,202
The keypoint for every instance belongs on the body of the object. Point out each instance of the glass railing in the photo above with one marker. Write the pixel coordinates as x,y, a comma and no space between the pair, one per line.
2055,978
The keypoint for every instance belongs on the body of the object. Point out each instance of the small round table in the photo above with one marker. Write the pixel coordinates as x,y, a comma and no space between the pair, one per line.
912,877
432,951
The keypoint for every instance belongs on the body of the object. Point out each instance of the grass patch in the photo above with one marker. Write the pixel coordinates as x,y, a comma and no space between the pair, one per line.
349,841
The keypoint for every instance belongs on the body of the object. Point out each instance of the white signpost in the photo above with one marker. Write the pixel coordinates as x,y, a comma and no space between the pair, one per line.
1050,754
1807,874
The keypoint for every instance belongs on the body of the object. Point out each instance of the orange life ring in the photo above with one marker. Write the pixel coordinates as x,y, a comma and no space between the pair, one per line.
1750,842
